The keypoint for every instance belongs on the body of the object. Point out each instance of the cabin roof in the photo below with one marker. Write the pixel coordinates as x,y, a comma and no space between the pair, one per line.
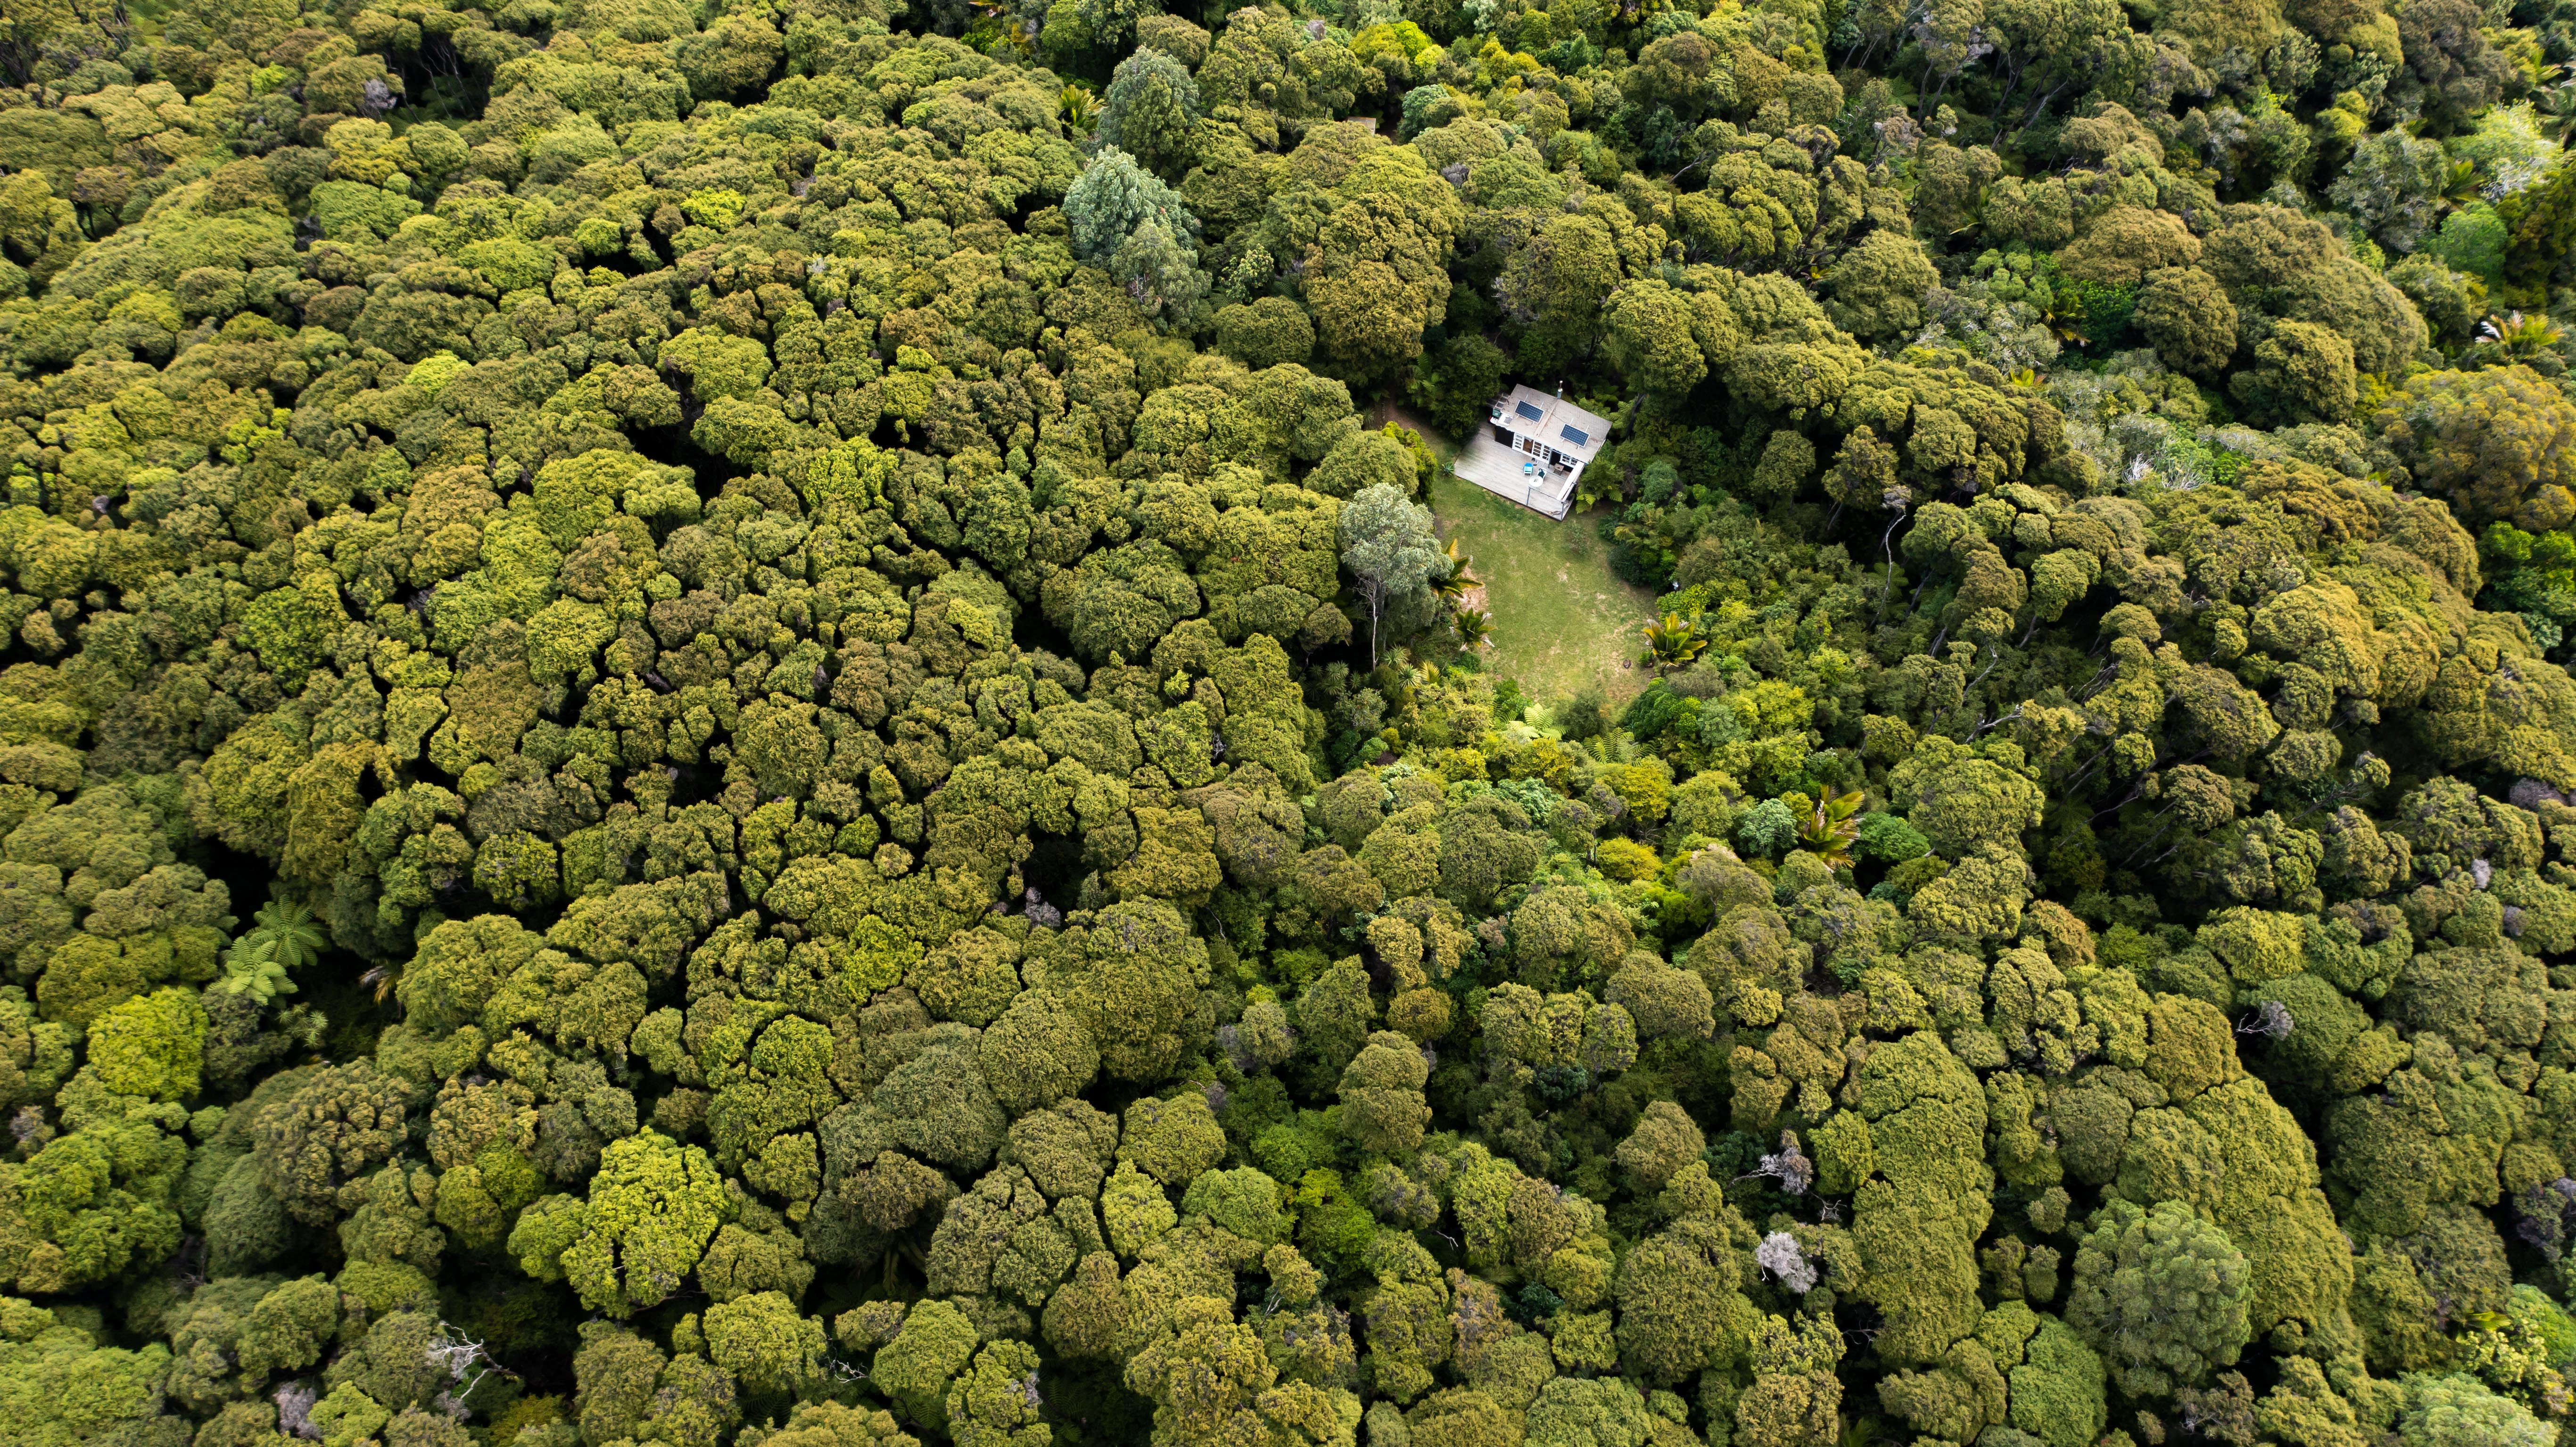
1555,422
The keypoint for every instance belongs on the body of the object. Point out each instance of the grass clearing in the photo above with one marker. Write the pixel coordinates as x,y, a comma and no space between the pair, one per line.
1562,622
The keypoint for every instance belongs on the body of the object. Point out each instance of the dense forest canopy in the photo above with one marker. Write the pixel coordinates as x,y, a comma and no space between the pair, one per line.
734,723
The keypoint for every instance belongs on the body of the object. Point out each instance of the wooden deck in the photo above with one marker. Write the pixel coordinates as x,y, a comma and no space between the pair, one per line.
1497,469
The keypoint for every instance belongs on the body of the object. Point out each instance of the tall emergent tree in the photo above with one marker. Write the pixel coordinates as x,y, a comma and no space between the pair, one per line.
1390,550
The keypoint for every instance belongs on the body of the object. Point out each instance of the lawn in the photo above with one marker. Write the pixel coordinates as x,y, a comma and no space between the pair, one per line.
1562,622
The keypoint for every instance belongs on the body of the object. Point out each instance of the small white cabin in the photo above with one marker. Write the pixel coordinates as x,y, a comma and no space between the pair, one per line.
1532,450
1561,437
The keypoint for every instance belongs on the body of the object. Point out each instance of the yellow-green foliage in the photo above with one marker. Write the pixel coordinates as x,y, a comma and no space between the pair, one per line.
771,598
152,1046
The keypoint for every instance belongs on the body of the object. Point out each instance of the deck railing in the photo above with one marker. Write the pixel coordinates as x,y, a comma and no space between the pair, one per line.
1537,493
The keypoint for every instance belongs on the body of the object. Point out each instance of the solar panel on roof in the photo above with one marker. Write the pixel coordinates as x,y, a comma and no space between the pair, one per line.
1527,411
1575,435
